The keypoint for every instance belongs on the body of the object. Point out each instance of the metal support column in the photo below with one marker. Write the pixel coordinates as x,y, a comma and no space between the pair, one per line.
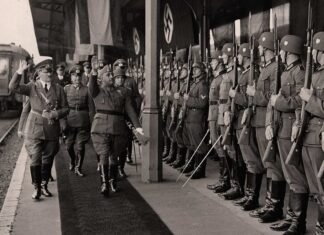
151,157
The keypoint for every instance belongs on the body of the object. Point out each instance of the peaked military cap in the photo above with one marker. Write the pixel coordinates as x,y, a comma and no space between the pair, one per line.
60,66
228,49
76,69
292,44
266,40
318,41
121,63
86,64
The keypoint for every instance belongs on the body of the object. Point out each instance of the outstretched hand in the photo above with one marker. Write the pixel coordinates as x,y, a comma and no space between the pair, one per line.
22,66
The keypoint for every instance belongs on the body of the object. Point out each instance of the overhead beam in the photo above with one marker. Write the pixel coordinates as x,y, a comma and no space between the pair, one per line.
151,159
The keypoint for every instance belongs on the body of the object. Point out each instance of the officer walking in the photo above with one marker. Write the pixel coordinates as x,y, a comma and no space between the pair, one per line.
48,105
78,121
112,102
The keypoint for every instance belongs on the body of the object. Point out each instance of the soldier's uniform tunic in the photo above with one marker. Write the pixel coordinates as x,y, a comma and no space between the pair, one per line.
292,80
213,113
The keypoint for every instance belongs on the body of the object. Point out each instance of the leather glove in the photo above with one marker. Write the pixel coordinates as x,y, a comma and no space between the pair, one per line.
294,132
245,116
250,90
227,118
269,133
140,130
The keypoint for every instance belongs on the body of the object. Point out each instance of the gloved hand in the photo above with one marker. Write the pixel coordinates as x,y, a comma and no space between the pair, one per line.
53,114
22,67
168,93
245,116
269,133
227,118
20,134
250,90
294,132
161,92
232,93
140,130
176,96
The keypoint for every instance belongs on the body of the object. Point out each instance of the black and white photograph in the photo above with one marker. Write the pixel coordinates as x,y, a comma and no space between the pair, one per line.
161,117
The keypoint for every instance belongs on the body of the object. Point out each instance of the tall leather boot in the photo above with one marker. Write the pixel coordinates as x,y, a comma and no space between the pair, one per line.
166,147
201,170
190,165
173,153
36,175
113,171
121,166
104,178
261,211
299,206
248,190
226,176
253,200
276,203
79,163
72,158
46,172
237,187
180,158
129,151
319,230
220,180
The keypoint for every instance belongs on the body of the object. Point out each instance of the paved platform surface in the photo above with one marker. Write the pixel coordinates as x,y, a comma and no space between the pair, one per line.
140,208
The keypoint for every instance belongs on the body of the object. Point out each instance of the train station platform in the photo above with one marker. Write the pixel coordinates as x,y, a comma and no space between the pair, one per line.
77,207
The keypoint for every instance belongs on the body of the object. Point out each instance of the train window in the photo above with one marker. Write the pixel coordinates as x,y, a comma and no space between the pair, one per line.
4,67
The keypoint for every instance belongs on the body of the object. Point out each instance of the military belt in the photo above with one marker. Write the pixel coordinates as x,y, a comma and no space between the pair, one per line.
213,102
37,112
110,112
223,101
78,108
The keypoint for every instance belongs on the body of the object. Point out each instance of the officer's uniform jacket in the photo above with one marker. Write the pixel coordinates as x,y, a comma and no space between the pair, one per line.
79,101
62,82
292,80
197,103
112,104
37,127
315,108
265,87
225,86
214,96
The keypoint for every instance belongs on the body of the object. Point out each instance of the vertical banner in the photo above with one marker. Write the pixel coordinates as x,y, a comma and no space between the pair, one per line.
100,22
69,27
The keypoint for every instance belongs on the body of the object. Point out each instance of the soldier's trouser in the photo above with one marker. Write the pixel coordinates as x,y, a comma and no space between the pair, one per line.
215,132
78,137
312,161
42,153
178,136
185,137
167,124
295,176
196,132
109,147
250,153
274,169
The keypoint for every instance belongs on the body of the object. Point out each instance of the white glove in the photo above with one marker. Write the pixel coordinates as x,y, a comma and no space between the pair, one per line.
227,118
140,130
269,133
161,92
294,133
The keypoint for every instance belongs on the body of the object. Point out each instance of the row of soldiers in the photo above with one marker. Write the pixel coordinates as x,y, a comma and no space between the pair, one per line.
97,102
241,137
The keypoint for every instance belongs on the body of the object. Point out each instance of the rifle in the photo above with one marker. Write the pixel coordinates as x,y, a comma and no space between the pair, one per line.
245,133
229,129
166,103
271,150
319,180
174,108
294,154
141,68
207,68
183,110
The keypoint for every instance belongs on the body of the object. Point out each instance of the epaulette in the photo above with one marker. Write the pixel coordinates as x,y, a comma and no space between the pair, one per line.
229,69
269,62
297,62
246,70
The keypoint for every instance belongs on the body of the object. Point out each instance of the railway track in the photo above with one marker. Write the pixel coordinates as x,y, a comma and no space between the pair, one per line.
6,127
